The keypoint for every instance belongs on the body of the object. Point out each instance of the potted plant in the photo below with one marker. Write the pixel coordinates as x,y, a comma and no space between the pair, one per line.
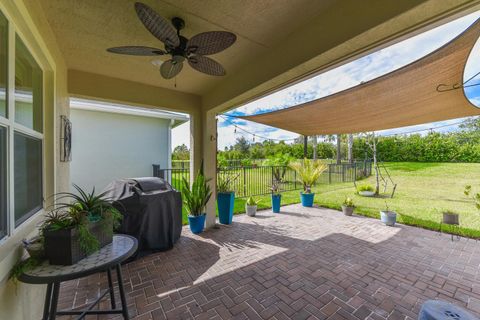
450,217
80,225
366,190
388,217
195,199
348,206
308,172
251,207
276,196
225,197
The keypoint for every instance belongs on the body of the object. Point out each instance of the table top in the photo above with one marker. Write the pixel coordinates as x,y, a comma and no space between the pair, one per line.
121,248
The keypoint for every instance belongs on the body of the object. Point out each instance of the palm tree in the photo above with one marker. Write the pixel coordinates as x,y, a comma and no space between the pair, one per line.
350,148
339,149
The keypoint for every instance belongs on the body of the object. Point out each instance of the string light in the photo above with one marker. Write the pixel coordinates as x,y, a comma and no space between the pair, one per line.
432,129
248,132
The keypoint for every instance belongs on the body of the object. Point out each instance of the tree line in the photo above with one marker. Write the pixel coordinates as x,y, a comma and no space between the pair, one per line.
459,146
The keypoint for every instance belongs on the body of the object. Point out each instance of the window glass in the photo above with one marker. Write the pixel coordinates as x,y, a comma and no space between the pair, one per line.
3,65
28,88
27,176
3,182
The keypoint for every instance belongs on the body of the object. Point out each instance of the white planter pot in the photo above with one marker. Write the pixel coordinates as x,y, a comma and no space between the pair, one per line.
366,193
388,217
251,210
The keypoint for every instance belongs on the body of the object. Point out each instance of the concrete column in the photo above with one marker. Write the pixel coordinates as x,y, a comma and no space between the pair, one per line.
196,143
210,162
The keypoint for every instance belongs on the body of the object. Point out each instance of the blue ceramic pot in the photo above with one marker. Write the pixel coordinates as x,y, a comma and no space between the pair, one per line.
197,223
225,203
388,217
276,200
307,199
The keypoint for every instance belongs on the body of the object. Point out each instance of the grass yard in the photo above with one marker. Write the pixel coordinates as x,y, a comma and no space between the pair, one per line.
424,190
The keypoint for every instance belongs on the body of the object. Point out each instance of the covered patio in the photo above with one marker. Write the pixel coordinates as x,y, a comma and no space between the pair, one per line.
304,263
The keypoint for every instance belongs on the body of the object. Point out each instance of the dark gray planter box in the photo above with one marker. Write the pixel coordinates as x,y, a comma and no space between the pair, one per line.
348,211
62,247
451,218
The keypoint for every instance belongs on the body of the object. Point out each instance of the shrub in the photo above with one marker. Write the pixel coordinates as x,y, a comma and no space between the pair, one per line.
365,187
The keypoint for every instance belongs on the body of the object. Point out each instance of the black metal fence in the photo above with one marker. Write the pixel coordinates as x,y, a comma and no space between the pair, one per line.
257,180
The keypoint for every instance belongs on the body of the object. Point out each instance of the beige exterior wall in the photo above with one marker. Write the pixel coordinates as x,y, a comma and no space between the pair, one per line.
21,301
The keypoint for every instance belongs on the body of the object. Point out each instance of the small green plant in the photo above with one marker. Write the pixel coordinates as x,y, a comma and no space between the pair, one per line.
196,197
23,266
252,202
348,202
77,211
308,172
365,187
94,205
449,212
275,187
225,181
61,220
279,163
475,196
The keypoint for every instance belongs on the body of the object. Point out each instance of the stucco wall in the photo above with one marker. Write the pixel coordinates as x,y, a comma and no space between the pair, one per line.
109,146
22,301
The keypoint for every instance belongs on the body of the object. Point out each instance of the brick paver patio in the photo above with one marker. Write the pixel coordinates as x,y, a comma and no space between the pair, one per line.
304,263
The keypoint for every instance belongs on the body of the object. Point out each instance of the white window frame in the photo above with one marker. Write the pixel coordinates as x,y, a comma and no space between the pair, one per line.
12,127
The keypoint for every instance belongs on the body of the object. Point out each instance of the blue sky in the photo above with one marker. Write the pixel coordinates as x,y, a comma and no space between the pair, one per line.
341,78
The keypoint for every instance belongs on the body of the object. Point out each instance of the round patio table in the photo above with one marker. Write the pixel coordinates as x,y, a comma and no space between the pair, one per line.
107,258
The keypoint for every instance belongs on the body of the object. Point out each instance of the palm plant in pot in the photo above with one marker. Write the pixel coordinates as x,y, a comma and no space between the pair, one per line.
308,172
225,196
348,206
276,196
195,199
251,207
80,225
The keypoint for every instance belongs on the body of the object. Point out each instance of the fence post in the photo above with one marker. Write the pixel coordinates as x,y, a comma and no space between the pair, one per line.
354,171
329,173
156,169
244,181
343,172
295,179
272,174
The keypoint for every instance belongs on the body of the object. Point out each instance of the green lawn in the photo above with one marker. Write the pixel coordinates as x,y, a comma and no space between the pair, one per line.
424,190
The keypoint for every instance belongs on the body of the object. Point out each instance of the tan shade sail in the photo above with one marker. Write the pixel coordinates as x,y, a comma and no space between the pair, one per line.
404,97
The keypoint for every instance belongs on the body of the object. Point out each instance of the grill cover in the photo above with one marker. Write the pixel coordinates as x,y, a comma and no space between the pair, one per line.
152,211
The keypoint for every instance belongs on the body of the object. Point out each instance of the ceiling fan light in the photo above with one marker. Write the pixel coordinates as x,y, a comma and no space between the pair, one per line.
178,58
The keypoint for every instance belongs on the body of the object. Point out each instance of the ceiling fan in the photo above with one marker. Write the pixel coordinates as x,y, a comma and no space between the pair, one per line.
178,47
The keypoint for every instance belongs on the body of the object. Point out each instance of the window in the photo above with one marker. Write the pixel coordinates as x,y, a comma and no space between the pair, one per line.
3,65
21,132
27,176
28,89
